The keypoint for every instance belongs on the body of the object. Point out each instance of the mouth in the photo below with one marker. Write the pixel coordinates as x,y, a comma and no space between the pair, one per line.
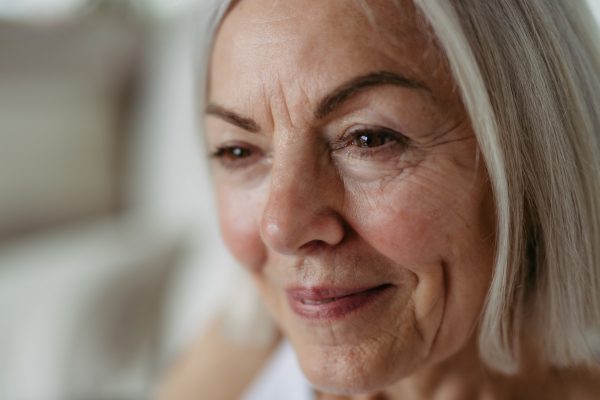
333,303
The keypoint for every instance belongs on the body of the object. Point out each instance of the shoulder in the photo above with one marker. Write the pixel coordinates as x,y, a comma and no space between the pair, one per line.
214,367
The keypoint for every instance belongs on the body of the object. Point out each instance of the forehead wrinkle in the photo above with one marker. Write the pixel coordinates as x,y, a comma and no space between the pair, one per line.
291,109
278,29
257,43
280,48
266,20
267,106
285,22
285,108
256,30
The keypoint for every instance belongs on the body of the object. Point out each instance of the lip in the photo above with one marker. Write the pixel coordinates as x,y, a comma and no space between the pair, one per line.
328,303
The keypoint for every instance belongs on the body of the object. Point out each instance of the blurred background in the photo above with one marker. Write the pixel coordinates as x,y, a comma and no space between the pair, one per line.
110,258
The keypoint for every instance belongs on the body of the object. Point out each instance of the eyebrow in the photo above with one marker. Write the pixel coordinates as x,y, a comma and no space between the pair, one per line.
348,90
330,103
247,124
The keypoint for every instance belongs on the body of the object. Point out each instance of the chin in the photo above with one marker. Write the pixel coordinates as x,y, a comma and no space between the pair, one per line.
352,370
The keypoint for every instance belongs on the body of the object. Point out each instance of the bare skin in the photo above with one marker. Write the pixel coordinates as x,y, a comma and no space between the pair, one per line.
344,160
217,369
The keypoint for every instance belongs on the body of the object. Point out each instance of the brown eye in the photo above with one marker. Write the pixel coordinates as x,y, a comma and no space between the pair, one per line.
235,153
371,139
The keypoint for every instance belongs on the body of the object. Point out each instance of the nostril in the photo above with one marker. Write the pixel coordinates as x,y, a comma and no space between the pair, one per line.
313,246
294,220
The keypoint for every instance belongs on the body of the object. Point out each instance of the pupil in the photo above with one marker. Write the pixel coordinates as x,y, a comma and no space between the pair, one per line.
370,140
239,152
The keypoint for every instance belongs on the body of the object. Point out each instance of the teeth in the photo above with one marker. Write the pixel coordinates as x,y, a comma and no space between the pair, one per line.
324,301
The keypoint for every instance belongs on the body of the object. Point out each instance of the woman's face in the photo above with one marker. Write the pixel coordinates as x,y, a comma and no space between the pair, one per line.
350,186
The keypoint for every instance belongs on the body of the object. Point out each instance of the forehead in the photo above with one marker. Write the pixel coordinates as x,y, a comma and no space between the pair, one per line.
273,46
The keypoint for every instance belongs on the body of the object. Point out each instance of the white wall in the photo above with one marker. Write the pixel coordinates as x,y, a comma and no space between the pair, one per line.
595,6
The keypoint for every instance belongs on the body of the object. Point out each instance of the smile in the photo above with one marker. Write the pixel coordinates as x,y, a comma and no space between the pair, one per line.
333,303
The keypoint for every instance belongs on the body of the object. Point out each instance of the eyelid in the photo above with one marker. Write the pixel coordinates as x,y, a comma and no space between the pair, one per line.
219,154
353,131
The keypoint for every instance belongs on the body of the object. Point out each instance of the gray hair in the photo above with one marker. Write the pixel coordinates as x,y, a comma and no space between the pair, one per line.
529,75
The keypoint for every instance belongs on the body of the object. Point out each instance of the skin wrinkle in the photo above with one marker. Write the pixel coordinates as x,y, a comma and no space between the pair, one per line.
393,209
284,106
471,184
424,187
327,105
445,300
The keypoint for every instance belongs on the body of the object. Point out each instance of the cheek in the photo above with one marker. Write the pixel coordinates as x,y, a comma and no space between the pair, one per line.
399,223
405,228
426,219
238,213
442,235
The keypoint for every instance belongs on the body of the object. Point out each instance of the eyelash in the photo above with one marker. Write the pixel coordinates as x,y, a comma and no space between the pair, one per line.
224,152
392,140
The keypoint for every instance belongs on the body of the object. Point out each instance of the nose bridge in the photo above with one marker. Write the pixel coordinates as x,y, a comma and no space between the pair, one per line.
295,166
302,200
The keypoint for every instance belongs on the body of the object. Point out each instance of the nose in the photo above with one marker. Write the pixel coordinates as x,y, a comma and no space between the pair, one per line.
304,204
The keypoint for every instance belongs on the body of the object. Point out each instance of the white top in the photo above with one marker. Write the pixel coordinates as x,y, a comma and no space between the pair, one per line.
281,378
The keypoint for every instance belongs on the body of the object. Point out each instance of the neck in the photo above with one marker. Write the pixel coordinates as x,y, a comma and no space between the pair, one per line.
459,377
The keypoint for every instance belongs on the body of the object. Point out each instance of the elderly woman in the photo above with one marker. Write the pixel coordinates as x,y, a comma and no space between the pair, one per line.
414,187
